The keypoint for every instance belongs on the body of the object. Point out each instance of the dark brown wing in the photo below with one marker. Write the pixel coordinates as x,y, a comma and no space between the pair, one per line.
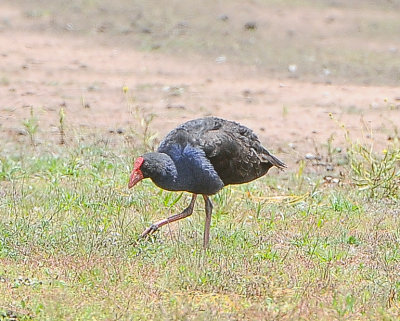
237,154
233,149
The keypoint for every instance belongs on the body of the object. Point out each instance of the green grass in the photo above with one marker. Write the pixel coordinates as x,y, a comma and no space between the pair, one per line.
283,247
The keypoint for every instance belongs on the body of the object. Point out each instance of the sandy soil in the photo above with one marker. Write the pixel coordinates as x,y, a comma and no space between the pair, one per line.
49,71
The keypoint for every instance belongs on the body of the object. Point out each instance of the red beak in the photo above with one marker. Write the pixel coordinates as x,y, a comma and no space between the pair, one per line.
135,178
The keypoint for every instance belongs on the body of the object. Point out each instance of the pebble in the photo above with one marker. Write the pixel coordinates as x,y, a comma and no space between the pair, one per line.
292,68
220,59
175,106
310,156
251,25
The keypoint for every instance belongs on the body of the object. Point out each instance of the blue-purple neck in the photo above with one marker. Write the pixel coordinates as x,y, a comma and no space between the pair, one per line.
185,169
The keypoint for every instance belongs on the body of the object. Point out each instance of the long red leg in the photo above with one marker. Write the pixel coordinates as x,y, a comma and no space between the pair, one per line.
185,213
208,208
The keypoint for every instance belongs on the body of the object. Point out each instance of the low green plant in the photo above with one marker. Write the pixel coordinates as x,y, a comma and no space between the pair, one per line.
6,168
377,175
31,125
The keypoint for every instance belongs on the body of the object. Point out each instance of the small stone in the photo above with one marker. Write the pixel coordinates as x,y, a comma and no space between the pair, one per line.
182,25
251,25
93,88
246,93
331,180
21,132
220,59
326,71
374,105
146,30
176,106
329,168
292,68
69,27
310,156
223,17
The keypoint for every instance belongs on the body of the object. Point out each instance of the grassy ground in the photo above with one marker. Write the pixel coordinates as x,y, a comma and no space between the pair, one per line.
289,246
317,242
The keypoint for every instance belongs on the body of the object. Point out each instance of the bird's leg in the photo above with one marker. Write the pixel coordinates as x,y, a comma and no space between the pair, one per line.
185,213
209,208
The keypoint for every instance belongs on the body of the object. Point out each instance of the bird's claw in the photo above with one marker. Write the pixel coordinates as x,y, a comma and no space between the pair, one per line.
150,230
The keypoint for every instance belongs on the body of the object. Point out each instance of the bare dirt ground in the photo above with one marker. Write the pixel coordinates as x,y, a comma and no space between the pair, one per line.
85,76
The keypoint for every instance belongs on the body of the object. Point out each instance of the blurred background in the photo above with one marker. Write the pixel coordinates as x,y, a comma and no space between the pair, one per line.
280,67
315,40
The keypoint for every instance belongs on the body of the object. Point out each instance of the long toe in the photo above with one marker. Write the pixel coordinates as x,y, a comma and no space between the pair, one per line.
150,230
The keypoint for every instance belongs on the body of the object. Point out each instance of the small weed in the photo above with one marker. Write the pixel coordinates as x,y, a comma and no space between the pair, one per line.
31,125
299,176
344,304
144,137
148,137
378,176
8,168
339,203
84,103
61,126
285,111
4,81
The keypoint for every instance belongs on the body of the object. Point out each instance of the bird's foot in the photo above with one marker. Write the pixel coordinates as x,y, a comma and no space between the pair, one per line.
150,230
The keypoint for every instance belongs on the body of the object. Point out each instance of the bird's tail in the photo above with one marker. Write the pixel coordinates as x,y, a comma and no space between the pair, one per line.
273,160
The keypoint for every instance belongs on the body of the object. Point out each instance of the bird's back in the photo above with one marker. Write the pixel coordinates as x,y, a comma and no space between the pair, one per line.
234,150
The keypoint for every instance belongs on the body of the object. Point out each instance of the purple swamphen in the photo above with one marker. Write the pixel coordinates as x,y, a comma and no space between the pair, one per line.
202,156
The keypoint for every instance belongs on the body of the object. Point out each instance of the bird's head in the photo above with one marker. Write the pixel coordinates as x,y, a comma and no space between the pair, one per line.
157,166
137,174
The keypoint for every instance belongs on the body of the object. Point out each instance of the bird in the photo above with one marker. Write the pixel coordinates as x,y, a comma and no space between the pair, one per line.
201,156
